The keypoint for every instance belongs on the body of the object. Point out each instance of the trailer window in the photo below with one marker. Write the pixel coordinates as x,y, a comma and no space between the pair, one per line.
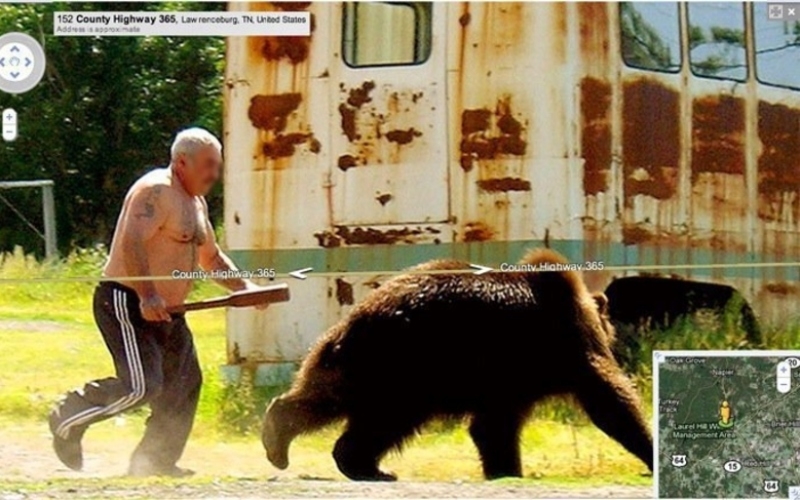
386,33
717,40
777,45
651,35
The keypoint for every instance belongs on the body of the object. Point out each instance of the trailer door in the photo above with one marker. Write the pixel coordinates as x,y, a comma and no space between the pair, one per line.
389,130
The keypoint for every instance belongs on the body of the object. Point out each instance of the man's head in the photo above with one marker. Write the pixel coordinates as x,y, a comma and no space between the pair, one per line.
196,157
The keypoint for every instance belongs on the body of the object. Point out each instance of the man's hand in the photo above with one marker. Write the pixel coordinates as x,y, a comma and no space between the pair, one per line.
154,308
249,285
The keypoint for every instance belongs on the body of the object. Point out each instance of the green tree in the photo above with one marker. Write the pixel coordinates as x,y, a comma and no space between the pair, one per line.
104,113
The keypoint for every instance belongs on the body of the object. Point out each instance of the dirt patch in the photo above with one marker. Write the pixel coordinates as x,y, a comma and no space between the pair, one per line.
34,326
246,488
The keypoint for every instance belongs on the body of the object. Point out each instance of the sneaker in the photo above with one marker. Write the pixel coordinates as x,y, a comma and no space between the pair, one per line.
68,449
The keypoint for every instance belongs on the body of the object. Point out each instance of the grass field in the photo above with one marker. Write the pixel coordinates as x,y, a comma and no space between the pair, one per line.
50,344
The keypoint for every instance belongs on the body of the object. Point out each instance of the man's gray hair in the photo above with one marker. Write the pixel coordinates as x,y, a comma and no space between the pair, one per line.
188,141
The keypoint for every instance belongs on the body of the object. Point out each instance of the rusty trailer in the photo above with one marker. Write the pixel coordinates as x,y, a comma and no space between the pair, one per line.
629,133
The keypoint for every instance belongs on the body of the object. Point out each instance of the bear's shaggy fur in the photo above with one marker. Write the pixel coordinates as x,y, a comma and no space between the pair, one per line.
457,344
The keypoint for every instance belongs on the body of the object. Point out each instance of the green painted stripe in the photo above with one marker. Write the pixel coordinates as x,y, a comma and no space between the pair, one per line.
493,253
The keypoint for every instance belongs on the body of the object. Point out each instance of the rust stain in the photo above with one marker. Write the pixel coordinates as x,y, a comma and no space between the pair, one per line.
348,115
509,125
477,231
274,48
327,239
779,162
650,139
314,145
483,140
464,19
596,137
293,48
384,198
475,120
270,112
291,6
594,34
360,95
344,292
346,161
504,184
282,146
717,135
370,236
781,288
402,136
634,235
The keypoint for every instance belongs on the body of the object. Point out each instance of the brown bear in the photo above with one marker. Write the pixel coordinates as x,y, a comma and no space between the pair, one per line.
433,344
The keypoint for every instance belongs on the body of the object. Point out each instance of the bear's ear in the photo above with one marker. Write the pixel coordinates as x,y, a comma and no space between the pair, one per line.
602,302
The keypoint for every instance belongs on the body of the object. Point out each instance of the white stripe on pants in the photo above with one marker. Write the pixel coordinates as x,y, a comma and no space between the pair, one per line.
134,369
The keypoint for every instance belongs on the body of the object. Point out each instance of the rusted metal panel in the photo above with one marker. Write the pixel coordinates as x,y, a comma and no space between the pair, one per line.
524,124
510,142
387,136
277,152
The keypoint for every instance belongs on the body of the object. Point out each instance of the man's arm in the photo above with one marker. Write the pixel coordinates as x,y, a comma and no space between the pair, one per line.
142,221
212,258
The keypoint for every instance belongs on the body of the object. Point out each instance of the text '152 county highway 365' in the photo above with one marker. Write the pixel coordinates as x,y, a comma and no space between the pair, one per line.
142,23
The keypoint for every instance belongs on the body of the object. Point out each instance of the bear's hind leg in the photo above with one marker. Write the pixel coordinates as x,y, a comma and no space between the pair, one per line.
496,433
366,440
611,402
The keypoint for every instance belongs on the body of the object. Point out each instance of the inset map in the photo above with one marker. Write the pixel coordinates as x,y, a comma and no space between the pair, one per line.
728,424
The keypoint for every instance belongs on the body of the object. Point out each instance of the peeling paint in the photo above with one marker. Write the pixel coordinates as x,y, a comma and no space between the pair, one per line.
717,135
483,141
348,122
371,236
596,134
295,49
270,112
361,95
402,136
504,184
283,146
650,139
384,198
344,292
635,235
477,231
779,163
346,161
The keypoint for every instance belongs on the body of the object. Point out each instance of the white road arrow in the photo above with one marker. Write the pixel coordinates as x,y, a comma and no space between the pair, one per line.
479,269
300,273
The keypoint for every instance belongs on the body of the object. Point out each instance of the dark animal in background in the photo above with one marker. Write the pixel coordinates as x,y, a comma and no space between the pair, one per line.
642,304
438,345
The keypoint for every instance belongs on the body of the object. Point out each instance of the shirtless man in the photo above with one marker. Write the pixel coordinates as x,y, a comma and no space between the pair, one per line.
163,227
